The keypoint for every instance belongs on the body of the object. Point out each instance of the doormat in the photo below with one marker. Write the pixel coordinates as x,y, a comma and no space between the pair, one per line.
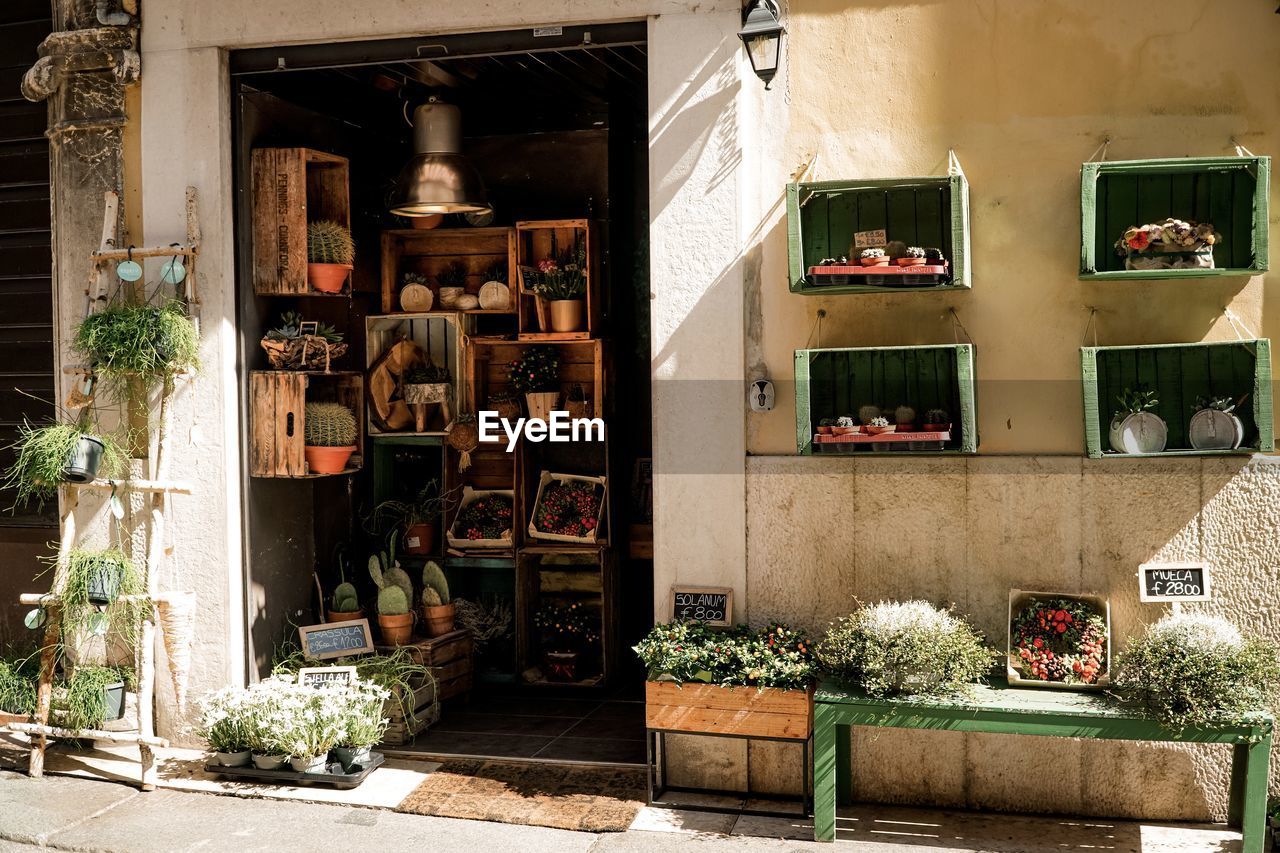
588,799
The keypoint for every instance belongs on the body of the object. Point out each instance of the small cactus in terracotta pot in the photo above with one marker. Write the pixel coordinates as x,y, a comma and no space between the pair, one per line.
844,426
874,258
914,257
330,255
937,420
905,418
437,607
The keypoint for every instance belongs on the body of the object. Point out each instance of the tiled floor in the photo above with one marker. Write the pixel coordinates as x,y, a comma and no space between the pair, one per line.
556,729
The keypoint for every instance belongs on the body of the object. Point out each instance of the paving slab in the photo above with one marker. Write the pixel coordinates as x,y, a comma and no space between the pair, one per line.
32,809
166,820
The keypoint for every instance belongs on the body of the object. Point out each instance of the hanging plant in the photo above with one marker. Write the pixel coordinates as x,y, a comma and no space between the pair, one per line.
137,342
48,456
95,591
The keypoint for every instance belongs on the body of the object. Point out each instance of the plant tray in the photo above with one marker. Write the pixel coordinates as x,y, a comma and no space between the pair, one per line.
1017,600
882,438
546,479
335,778
928,275
469,496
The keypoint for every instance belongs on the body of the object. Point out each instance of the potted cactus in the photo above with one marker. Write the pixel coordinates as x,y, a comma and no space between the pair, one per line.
874,258
395,591
437,606
914,257
330,253
1213,426
1140,429
345,604
844,426
936,420
868,413
905,418
878,426
329,431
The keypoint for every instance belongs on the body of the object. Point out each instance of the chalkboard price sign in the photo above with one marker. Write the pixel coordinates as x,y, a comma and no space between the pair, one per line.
710,604
1173,582
335,639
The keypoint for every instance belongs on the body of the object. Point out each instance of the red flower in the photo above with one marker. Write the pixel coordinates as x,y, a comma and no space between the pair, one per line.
1038,643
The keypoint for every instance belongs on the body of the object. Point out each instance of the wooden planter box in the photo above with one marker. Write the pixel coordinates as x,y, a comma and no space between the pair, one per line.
537,240
1018,598
581,363
1230,192
742,711
449,659
597,534
428,251
469,496
278,399
426,710
291,187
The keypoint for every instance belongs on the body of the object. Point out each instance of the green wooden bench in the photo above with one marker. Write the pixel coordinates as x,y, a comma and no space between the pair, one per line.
1001,709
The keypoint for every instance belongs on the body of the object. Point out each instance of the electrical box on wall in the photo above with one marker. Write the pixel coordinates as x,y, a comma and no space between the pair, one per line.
760,396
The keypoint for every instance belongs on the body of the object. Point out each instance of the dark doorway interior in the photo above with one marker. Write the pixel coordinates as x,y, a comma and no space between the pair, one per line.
557,128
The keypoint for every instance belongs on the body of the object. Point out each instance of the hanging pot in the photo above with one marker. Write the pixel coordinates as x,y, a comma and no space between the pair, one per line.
439,619
113,701
1143,432
1113,432
327,460
1211,429
104,584
328,278
542,403
420,538
396,630
83,462
566,315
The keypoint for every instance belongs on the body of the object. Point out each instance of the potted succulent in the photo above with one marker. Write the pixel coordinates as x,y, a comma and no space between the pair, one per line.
1139,429
536,374
415,293
345,604
330,255
895,648
562,282
873,258
289,348
417,517
844,426
452,281
566,632
826,426
934,257
59,453
868,413
904,417
424,388
878,426
395,591
330,433
914,257
1214,426
936,420
494,294
437,606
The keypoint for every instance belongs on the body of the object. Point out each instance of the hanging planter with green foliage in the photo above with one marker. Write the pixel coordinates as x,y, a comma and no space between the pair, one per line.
137,342
51,455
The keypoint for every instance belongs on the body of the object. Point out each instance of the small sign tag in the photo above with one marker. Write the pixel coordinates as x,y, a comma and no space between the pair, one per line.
870,239
539,32
1173,582
317,676
710,604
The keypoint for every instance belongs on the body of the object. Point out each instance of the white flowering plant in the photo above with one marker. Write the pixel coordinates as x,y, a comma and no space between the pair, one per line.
364,724
223,720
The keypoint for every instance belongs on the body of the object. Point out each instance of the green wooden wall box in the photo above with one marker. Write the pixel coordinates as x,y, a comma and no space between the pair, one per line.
835,382
1229,192
1179,373
823,216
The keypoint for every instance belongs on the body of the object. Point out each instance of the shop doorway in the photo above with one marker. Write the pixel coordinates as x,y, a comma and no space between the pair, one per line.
555,122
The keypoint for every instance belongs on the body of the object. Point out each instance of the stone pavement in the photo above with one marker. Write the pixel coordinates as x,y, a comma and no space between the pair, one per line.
68,813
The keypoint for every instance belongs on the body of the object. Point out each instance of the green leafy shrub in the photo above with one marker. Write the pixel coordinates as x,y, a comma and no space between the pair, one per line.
1194,670
83,700
775,656
138,341
42,454
907,647
18,686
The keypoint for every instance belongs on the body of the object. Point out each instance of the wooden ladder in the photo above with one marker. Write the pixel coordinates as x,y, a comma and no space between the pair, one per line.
157,488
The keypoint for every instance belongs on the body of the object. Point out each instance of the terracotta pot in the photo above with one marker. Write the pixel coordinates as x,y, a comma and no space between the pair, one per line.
396,630
328,278
327,460
904,427
345,615
910,262
936,427
439,619
566,315
875,262
839,430
825,430
542,403
426,222
878,430
420,538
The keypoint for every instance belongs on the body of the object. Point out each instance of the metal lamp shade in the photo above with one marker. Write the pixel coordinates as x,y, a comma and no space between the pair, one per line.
438,179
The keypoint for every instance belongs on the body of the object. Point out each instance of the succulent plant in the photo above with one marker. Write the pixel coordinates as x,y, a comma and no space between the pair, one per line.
428,374
845,421
833,262
453,275
826,422
329,425
904,415
1220,404
934,255
329,242
913,252
873,253
878,422
497,272
345,598
386,573
392,601
413,278
291,327
1136,402
435,587
868,413
937,416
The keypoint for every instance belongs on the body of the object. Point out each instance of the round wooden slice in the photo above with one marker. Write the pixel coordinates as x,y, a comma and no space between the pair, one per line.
416,297
495,296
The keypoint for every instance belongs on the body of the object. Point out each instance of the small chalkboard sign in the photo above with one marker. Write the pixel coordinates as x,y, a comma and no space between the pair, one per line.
318,676
710,604
335,639
1173,582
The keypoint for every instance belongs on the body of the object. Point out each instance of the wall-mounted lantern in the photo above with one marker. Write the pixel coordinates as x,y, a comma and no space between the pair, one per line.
762,34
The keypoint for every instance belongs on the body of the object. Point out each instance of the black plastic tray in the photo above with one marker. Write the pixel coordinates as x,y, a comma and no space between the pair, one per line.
335,778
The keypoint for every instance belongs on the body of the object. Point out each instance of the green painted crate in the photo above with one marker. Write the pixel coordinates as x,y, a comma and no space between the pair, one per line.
1179,373
1229,192
835,382
822,217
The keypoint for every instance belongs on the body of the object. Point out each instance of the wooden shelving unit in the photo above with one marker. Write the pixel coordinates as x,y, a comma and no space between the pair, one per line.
278,398
571,573
538,240
428,252
439,336
291,187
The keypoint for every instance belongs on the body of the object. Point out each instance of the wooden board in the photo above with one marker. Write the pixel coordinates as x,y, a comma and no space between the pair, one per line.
278,398
448,657
536,240
743,711
429,251
1232,193
832,383
823,216
1179,373
291,187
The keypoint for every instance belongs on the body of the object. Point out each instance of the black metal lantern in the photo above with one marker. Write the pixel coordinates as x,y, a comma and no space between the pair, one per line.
762,34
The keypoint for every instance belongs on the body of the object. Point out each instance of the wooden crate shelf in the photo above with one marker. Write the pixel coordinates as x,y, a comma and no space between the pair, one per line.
492,469
581,363
439,335
823,216
428,252
1179,373
278,401
584,576
291,187
537,240
832,383
1229,192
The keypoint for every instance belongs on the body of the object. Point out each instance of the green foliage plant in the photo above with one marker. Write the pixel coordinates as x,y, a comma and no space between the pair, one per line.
774,656
83,700
435,587
128,341
41,455
18,678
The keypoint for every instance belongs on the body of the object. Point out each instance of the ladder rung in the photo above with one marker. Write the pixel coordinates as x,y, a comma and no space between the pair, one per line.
88,734
42,599
180,486
149,252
